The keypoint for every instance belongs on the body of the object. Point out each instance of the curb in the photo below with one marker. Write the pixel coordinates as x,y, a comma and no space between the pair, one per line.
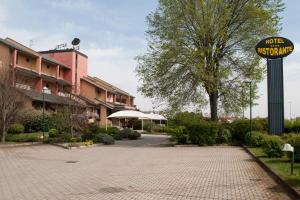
291,192
16,145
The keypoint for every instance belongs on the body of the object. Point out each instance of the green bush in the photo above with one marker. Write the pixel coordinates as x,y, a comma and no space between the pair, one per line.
107,139
112,131
272,146
254,139
294,140
25,137
16,128
182,139
185,119
224,136
203,133
288,126
33,120
239,128
125,132
98,138
260,124
147,126
134,135
296,126
178,134
52,133
118,136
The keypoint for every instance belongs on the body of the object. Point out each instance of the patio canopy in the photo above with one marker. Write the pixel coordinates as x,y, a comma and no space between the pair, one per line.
128,114
153,116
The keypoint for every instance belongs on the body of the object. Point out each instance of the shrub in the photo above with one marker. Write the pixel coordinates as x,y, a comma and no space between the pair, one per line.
254,139
134,135
118,136
182,139
185,119
25,137
99,138
288,126
224,136
260,124
16,128
53,132
203,133
112,131
125,132
294,140
33,121
147,126
178,134
296,126
239,128
272,146
107,139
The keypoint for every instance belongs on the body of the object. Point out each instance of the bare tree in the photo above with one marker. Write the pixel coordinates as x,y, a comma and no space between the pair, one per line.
10,99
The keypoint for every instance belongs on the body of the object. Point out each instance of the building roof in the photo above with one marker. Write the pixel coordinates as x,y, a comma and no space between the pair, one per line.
63,50
16,45
97,84
50,98
103,84
20,47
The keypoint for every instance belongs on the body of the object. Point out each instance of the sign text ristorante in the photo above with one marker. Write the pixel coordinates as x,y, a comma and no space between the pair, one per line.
274,47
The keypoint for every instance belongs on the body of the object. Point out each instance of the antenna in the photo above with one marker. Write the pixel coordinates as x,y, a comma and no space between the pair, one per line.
30,43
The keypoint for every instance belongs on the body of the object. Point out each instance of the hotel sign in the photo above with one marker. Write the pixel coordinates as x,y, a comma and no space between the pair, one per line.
274,47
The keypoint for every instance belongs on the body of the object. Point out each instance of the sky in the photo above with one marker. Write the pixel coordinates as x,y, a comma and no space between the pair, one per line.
112,34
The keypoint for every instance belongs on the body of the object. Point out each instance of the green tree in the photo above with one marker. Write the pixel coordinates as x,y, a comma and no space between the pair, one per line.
201,50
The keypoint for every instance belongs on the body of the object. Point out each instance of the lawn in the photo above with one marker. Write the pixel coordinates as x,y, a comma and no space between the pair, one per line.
281,166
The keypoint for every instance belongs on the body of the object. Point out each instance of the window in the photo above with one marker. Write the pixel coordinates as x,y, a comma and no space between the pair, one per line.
48,66
17,60
27,60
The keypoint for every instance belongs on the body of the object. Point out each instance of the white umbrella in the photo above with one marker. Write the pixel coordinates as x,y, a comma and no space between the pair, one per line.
129,114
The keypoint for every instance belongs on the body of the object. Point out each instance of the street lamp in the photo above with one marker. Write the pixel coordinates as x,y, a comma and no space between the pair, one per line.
290,148
250,102
43,123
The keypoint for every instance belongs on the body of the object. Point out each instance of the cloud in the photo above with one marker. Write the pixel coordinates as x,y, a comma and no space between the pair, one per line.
105,53
71,4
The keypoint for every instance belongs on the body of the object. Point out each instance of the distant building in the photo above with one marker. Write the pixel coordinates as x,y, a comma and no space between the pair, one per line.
62,75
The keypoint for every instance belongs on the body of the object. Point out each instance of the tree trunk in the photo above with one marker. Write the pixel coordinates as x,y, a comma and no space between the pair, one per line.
213,101
3,133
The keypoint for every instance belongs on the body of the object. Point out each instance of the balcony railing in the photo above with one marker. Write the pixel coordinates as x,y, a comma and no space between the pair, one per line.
23,86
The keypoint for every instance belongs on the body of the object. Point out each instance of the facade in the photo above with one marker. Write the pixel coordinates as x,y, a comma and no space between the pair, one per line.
57,77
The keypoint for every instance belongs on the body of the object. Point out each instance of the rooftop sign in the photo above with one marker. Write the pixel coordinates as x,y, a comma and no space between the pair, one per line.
274,47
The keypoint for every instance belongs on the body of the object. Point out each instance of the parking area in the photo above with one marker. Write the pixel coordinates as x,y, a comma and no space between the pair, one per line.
143,169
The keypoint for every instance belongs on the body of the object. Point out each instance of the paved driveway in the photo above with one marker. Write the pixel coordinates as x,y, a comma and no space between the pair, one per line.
133,170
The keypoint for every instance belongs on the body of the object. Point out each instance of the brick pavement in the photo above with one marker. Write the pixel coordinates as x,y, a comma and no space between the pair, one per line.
130,170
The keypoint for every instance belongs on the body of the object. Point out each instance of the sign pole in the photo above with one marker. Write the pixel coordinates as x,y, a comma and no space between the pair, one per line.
275,96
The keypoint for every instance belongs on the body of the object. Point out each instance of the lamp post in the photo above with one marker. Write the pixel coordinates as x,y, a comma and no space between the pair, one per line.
43,126
290,148
250,102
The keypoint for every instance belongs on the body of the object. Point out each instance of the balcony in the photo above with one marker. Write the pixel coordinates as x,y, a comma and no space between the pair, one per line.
123,106
23,86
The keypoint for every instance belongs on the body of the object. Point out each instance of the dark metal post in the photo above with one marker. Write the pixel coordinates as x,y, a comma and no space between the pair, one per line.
43,127
292,163
250,109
